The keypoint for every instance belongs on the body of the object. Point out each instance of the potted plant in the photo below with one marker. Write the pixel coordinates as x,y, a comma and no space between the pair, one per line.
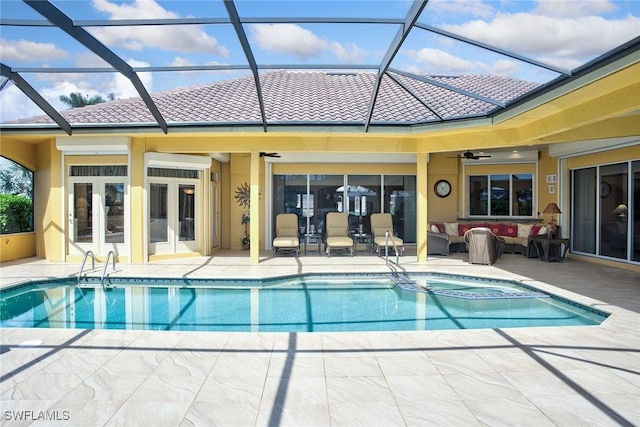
246,242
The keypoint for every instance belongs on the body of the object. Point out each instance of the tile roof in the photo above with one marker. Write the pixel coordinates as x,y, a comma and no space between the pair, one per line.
311,97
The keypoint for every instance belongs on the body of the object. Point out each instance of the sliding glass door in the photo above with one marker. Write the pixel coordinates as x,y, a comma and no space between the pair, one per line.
606,211
313,196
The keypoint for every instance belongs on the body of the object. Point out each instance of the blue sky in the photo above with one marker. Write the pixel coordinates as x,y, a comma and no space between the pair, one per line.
562,33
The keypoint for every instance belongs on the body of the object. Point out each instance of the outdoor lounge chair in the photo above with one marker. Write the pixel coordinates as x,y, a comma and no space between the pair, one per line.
380,224
287,237
483,245
337,228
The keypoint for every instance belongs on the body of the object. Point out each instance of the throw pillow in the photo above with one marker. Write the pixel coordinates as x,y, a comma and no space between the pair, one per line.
510,230
535,229
462,228
543,230
496,229
451,228
524,230
435,228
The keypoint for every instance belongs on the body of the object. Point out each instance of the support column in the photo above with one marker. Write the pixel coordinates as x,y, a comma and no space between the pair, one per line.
422,218
254,210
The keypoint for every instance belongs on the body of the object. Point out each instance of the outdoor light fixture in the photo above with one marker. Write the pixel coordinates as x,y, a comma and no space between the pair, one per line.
552,227
553,209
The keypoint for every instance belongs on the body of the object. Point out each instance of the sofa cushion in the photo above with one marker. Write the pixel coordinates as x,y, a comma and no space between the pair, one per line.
510,230
524,230
496,229
456,239
437,227
535,229
463,228
451,228
509,240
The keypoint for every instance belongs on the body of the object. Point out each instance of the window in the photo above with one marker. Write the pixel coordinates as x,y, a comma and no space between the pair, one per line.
16,192
501,195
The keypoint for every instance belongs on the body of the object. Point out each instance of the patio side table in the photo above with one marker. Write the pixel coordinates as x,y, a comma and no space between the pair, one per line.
551,249
312,239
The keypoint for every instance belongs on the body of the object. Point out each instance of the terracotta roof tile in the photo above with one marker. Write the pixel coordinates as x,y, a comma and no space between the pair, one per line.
309,97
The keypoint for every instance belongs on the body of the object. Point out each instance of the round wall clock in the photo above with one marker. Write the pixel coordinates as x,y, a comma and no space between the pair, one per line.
605,189
442,188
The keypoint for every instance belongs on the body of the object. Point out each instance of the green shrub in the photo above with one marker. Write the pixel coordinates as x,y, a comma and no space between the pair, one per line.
15,214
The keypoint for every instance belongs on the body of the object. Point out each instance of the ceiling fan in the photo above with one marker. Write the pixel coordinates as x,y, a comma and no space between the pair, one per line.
470,156
263,154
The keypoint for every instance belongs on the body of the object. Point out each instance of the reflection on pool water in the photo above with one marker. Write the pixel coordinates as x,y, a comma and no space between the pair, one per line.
310,303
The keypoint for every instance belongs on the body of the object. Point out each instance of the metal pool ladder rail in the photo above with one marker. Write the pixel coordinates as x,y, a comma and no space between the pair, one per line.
93,263
386,249
106,264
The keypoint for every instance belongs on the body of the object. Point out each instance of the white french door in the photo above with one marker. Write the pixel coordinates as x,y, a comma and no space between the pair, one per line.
174,223
97,212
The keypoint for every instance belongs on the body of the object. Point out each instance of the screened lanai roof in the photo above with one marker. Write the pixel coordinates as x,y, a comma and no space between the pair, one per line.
362,63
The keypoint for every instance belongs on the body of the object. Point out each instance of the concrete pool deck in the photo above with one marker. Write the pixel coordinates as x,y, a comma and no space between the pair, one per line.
566,376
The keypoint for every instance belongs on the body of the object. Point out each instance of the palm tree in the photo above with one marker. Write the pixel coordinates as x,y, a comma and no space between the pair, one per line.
76,100
15,179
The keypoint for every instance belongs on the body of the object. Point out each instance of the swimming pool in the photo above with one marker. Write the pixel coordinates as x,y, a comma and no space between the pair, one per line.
311,303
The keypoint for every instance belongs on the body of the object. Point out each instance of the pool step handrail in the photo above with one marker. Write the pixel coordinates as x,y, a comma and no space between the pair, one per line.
386,248
110,255
84,261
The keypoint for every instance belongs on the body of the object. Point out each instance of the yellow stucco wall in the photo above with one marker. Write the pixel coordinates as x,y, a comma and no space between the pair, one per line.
443,166
17,246
20,151
48,215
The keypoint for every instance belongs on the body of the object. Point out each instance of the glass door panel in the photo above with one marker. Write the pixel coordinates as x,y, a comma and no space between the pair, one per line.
97,215
364,193
158,231
584,191
114,207
633,211
400,202
82,212
613,201
326,194
173,216
187,208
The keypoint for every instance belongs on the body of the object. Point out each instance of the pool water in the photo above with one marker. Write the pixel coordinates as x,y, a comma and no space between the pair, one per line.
311,303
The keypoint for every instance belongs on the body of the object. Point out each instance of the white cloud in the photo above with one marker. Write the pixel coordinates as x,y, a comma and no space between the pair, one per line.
15,105
573,8
437,61
183,38
179,61
122,87
292,39
350,53
28,51
559,38
461,7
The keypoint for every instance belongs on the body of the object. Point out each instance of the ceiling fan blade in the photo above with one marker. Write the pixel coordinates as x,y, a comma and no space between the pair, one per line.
270,155
470,156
